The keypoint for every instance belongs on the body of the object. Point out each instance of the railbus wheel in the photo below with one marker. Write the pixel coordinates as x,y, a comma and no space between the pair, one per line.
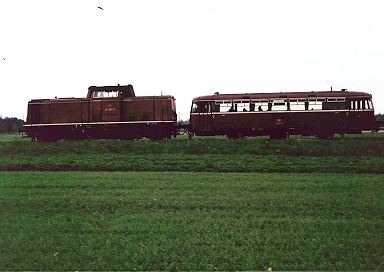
235,134
278,135
324,134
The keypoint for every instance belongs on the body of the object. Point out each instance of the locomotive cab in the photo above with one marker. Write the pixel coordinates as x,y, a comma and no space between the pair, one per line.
110,91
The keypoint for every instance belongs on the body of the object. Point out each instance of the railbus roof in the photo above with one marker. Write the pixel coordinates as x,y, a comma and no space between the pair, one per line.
282,95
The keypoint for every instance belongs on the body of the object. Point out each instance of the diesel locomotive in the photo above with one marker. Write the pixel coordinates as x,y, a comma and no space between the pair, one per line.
108,112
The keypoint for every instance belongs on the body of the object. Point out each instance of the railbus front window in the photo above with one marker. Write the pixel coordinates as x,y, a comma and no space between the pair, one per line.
195,107
201,107
358,104
369,104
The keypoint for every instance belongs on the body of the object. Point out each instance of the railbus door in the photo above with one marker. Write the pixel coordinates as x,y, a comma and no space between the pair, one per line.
353,113
205,116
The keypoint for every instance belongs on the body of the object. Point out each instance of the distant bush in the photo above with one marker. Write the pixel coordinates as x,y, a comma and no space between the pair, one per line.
380,117
8,125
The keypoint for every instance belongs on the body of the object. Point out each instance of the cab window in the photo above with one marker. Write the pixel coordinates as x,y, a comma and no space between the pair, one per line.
103,94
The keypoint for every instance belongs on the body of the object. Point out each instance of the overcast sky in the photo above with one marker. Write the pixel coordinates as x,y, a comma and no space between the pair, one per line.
188,48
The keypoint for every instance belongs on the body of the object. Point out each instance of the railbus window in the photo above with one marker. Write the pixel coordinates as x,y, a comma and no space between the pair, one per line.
206,107
315,104
242,105
334,104
356,104
279,105
297,104
260,105
223,106
363,104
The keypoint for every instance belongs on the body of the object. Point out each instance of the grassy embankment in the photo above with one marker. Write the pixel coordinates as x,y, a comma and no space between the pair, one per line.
191,221
357,154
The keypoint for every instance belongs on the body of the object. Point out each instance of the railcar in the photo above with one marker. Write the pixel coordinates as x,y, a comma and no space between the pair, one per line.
318,113
108,112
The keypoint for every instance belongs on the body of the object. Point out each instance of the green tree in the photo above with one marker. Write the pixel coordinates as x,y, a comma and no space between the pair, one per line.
8,125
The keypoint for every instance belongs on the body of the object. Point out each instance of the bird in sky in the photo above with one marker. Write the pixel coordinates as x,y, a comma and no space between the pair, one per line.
100,8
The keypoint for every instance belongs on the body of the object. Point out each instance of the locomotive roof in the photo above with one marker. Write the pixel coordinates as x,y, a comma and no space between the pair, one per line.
110,88
278,95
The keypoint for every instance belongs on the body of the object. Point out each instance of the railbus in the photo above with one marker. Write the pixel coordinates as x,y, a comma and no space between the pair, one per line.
316,113
108,112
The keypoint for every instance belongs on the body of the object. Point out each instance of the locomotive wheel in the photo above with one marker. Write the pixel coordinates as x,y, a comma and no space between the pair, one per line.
48,138
278,135
234,135
48,135
324,134
156,137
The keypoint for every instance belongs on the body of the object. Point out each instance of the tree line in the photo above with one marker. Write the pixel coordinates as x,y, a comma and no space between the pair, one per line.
380,117
8,125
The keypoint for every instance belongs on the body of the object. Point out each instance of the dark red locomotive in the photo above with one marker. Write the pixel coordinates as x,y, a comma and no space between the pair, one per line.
322,114
108,112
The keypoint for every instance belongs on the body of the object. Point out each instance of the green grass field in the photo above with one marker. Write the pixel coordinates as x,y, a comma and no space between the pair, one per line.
358,154
191,221
203,204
